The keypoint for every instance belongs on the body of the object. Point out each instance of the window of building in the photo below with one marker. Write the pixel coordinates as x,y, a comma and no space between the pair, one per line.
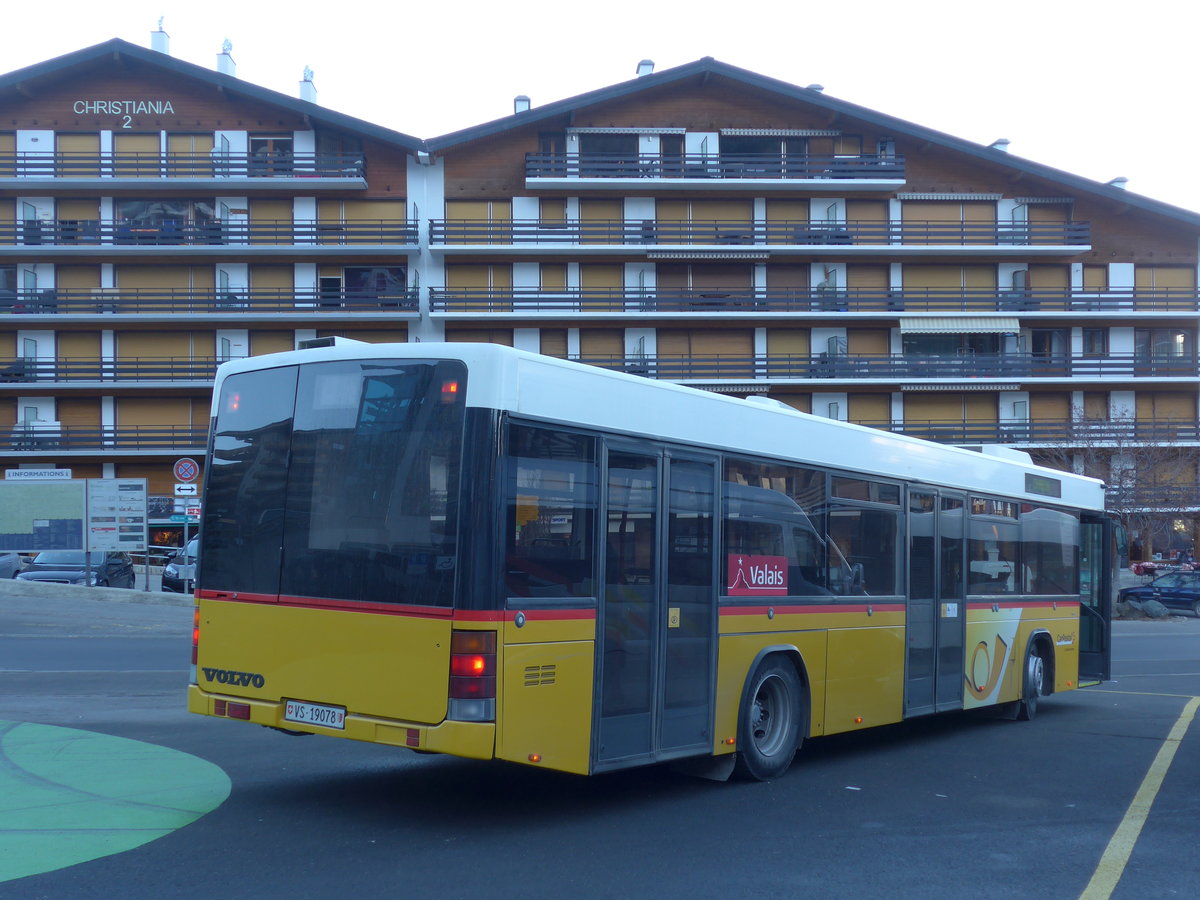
950,345
1162,343
1095,342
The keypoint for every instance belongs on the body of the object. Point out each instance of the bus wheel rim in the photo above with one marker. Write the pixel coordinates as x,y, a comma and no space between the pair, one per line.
771,717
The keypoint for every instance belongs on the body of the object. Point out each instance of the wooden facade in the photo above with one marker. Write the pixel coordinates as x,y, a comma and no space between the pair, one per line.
704,224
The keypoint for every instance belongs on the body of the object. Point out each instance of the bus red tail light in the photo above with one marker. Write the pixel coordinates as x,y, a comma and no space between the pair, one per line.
195,635
472,689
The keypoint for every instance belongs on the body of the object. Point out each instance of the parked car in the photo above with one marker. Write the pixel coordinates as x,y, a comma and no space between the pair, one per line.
106,569
1175,590
179,575
10,565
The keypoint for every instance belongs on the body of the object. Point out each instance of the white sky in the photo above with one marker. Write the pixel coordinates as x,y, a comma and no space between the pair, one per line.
1099,88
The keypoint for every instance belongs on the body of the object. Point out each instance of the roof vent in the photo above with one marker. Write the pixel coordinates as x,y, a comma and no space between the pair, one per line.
645,67
308,90
160,41
520,103
1119,182
225,63
1000,144
819,88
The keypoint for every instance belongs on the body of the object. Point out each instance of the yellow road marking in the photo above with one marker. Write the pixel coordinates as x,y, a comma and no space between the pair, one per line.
1116,855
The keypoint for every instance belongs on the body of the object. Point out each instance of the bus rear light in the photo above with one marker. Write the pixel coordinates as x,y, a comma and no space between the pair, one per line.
219,707
472,665
472,688
195,634
239,711
449,391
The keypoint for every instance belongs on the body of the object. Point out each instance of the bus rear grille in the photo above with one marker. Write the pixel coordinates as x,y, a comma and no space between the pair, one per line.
535,675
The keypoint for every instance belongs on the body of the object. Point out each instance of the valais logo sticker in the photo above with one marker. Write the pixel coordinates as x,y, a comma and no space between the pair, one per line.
757,576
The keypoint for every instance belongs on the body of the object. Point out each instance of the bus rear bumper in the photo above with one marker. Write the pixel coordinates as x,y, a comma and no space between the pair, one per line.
474,740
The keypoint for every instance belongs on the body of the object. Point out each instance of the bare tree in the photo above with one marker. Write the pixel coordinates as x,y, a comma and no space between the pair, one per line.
1150,475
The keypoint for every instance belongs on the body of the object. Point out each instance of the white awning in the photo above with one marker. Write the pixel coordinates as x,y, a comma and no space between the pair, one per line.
959,325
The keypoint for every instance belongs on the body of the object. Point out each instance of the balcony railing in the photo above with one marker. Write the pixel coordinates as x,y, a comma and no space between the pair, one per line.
143,301
1057,433
65,165
895,366
727,165
827,233
1167,495
780,300
37,437
141,369
175,232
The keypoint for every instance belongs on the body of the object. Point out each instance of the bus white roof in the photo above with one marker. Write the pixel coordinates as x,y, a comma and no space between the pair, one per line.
557,390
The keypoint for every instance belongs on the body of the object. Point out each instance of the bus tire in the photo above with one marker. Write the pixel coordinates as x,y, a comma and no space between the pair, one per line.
772,722
1033,684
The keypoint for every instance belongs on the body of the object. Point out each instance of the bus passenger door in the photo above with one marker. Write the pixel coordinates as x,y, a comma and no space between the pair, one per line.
1096,568
936,622
654,648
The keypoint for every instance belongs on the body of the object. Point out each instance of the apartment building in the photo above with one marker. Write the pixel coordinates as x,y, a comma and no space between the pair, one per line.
158,218
703,224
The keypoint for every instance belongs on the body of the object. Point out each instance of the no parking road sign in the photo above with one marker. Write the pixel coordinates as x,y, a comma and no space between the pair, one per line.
186,469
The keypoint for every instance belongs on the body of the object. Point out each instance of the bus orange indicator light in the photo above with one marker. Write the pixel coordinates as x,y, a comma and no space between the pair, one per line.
858,720
535,757
1069,684
730,741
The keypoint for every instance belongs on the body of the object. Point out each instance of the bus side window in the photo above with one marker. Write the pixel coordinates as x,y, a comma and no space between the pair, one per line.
806,572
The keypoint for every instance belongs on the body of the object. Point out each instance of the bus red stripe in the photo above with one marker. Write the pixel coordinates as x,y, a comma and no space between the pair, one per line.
401,609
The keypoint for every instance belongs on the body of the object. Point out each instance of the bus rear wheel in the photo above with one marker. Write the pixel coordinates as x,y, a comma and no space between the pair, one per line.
772,721
1034,685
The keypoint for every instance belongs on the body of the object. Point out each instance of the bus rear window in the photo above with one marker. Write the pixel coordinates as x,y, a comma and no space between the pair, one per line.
337,481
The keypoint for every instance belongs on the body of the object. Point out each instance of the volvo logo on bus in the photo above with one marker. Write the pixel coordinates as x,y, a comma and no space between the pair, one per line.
757,576
228,676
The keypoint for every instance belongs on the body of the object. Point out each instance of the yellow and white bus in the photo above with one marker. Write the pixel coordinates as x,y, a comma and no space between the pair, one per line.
472,550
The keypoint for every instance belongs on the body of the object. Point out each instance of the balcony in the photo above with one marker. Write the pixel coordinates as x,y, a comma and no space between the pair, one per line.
1058,433
736,171
42,437
137,370
742,299
134,171
42,237
1167,496
895,367
105,303
831,238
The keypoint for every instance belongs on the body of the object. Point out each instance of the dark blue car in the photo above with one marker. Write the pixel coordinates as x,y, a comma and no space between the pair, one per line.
1176,590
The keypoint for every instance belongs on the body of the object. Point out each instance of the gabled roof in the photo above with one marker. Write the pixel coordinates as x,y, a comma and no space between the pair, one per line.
117,52
708,67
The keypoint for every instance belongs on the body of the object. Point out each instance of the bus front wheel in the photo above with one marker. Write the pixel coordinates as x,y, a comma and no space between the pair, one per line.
1034,685
772,721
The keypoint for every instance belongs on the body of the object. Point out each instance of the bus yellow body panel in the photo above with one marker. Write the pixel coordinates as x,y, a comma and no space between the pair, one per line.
863,687
474,740
734,661
545,705
377,665
995,648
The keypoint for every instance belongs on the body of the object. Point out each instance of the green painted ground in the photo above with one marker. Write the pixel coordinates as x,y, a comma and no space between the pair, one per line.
68,796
